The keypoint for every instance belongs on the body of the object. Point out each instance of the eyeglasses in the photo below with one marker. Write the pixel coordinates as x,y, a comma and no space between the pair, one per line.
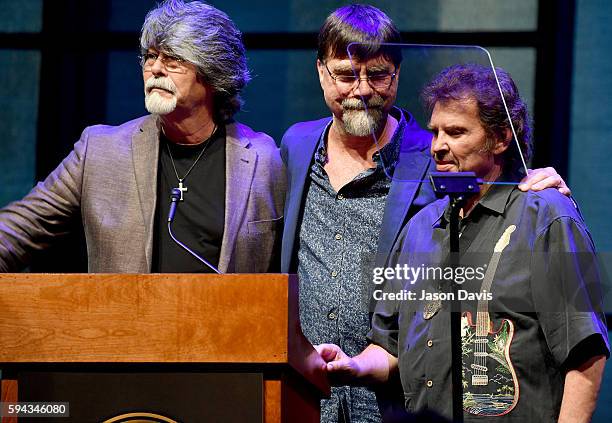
171,63
379,81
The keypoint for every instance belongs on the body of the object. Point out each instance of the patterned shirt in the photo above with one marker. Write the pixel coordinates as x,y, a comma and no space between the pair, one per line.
338,244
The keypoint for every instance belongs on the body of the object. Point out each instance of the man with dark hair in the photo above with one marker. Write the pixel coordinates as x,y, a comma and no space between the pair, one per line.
342,208
535,346
452,85
339,193
118,179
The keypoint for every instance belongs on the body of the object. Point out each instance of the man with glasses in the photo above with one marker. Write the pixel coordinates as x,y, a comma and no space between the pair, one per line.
118,179
343,210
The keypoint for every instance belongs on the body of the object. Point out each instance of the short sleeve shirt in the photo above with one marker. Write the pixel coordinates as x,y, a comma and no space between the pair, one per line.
543,302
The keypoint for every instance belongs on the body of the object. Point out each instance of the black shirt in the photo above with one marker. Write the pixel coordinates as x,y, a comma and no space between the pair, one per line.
200,218
540,307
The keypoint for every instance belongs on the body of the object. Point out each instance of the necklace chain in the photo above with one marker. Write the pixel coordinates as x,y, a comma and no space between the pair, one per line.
194,163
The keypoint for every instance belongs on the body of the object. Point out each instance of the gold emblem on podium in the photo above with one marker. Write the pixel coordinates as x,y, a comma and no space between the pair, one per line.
140,418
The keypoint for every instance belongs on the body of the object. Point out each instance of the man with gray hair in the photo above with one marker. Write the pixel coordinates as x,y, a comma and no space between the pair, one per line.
118,180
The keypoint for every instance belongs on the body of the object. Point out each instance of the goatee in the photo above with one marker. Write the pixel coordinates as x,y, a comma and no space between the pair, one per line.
361,122
155,103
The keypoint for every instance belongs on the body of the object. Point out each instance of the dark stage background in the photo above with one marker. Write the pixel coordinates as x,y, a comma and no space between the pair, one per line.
67,64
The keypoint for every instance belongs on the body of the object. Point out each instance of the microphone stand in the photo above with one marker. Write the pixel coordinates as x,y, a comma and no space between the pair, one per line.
458,186
175,196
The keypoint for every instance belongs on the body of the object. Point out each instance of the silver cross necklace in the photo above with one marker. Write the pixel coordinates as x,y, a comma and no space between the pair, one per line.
182,188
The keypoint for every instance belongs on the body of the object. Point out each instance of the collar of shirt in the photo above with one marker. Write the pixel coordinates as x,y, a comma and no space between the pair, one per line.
493,202
386,157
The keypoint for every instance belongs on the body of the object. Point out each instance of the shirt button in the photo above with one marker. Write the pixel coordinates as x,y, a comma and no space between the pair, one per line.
429,342
340,197
332,315
429,383
338,236
334,274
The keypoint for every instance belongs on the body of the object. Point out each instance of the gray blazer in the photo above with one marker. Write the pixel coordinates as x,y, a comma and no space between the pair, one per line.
110,181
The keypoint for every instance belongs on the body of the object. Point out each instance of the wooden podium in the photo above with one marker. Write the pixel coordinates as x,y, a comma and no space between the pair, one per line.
227,327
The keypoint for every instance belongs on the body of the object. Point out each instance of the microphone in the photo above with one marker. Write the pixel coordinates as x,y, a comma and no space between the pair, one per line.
175,196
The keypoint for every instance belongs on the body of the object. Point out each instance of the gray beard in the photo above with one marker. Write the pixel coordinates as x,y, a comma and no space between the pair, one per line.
361,123
158,105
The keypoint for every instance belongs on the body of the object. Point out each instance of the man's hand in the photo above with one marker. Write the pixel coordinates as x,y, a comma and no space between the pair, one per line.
373,365
341,368
539,179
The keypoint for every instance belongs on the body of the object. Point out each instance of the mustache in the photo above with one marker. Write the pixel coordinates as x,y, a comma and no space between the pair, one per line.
164,82
374,102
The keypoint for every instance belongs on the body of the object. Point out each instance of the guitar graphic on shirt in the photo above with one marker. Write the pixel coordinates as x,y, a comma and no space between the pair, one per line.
490,385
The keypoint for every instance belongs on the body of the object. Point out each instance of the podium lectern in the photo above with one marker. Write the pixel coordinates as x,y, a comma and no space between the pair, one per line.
181,347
